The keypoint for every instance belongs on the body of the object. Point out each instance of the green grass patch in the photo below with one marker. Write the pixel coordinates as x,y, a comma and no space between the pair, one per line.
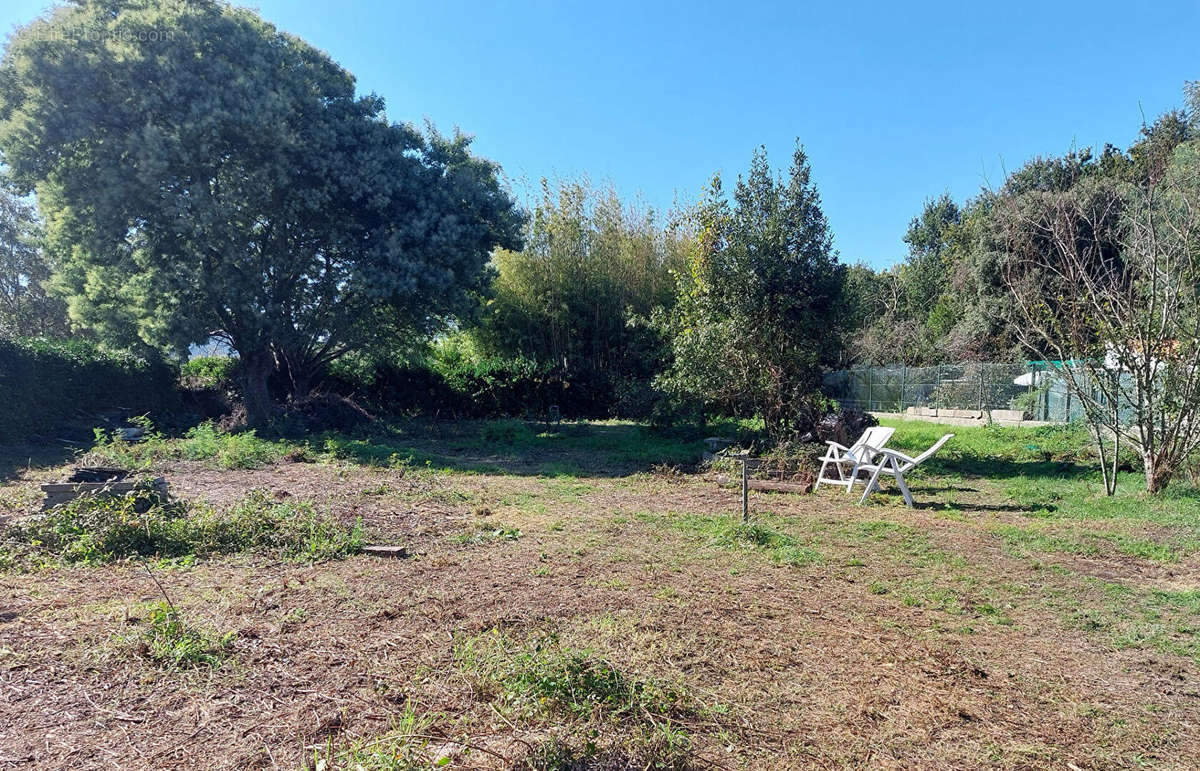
953,594
978,448
730,533
901,543
1132,617
1088,543
542,678
568,488
601,716
405,747
1050,473
1021,540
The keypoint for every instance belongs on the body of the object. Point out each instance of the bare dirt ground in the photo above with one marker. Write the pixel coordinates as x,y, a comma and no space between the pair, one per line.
901,638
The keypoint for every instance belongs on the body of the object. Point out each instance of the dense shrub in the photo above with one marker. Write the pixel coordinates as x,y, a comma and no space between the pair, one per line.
484,388
44,384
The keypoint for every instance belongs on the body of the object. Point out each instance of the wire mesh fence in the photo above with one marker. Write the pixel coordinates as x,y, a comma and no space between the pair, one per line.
1030,387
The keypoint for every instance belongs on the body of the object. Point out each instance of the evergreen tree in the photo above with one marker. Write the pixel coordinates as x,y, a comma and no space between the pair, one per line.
756,311
213,176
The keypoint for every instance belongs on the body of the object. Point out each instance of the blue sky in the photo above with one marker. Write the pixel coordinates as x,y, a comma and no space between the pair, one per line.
895,102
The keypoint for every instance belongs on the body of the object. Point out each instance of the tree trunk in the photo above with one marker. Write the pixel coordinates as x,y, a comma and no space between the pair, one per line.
300,376
1158,474
256,396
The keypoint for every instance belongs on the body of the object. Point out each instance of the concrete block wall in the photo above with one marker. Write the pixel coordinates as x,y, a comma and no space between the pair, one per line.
964,417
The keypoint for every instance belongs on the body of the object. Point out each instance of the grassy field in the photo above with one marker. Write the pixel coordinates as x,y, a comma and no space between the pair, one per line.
586,596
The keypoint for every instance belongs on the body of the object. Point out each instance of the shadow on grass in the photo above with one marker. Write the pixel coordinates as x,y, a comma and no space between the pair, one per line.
1015,508
1003,468
520,448
16,458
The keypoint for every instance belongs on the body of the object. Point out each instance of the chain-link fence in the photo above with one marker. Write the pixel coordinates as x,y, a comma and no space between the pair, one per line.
1030,387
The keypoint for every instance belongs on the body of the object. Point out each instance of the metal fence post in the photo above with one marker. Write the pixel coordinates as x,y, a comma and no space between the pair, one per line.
981,370
903,380
745,490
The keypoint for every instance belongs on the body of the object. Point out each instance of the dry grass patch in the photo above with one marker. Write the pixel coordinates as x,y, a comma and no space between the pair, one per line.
633,621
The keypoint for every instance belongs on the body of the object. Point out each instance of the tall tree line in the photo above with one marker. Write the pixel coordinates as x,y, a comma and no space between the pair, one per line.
947,300
578,298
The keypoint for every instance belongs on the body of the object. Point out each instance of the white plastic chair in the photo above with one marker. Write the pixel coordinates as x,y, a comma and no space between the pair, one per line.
863,451
895,464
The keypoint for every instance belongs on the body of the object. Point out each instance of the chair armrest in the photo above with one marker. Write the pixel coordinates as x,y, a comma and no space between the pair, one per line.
896,454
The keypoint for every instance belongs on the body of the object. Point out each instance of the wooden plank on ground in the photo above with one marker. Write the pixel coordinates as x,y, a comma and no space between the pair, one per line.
395,552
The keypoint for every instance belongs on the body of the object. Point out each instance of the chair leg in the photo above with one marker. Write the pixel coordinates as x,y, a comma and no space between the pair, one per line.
872,485
904,488
851,479
837,464
821,475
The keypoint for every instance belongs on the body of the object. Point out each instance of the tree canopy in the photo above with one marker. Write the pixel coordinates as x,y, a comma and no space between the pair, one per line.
26,308
578,297
202,174
947,301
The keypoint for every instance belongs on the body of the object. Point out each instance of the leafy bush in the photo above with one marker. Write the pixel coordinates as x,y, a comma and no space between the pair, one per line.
173,643
449,381
241,450
45,383
92,530
216,372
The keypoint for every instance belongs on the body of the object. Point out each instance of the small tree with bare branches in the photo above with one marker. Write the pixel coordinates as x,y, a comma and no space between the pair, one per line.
1105,276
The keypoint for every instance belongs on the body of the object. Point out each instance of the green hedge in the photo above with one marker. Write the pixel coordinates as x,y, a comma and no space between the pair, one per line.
45,384
490,387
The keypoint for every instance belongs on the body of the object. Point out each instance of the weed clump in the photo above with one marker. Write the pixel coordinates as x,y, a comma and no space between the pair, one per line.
406,746
173,643
92,530
585,697
487,532
204,442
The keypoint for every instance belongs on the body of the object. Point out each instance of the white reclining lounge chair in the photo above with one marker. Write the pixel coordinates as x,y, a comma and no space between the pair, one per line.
862,451
895,464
